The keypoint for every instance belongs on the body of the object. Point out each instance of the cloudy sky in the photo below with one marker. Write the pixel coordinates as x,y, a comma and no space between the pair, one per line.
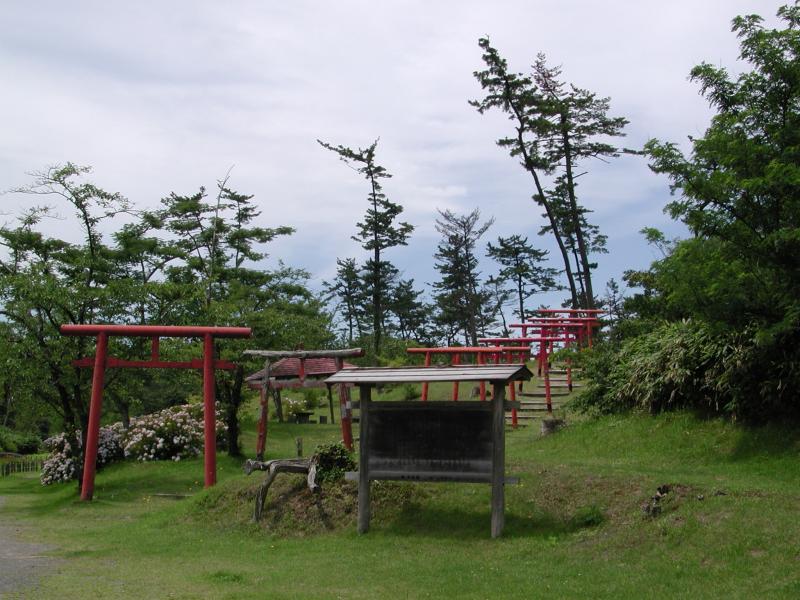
167,96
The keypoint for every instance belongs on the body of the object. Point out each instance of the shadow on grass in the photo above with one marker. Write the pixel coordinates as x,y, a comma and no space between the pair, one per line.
770,440
460,524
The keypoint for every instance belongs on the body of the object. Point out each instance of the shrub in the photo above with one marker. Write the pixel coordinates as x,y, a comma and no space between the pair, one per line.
333,460
688,365
63,465
20,442
174,433
171,434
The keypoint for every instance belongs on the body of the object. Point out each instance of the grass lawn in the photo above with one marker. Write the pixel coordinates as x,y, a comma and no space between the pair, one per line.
575,526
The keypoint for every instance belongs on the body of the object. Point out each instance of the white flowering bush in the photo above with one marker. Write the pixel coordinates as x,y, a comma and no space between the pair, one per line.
171,434
62,464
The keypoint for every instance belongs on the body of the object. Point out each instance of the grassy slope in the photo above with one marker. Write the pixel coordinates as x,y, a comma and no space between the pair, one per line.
739,543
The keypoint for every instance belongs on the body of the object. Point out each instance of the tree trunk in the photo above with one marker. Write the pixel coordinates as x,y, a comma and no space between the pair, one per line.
232,412
576,217
541,200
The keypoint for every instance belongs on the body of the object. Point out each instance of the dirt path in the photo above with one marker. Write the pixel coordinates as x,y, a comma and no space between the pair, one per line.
21,563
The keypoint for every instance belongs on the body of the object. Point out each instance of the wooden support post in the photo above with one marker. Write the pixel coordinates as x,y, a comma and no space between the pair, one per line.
330,404
569,374
209,413
513,399
547,392
425,383
365,394
498,458
482,361
346,417
154,349
263,418
95,407
456,360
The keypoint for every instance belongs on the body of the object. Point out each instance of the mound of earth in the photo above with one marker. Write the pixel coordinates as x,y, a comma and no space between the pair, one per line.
292,510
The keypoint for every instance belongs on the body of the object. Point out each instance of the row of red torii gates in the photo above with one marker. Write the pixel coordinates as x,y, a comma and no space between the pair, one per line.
307,370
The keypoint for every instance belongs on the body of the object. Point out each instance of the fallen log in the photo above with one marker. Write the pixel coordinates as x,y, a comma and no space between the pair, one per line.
280,465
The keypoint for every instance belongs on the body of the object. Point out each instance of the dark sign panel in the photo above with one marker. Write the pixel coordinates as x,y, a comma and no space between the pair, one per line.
430,441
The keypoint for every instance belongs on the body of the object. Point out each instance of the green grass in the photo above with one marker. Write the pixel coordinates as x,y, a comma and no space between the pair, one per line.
574,526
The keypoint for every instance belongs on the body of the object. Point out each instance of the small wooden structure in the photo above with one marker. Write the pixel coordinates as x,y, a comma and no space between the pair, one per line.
433,441
301,369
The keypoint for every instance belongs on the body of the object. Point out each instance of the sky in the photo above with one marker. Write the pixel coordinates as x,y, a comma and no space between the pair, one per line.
161,97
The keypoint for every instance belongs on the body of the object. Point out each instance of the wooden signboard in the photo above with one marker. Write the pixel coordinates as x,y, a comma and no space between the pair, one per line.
430,441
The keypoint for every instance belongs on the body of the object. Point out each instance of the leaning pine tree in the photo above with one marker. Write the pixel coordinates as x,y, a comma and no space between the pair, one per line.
556,127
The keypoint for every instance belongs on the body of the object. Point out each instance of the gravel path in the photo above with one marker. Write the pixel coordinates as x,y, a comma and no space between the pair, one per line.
21,563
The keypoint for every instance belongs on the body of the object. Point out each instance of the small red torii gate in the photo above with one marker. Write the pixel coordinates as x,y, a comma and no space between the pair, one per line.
101,361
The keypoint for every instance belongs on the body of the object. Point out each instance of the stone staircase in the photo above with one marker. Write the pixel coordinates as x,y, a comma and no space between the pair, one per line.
533,400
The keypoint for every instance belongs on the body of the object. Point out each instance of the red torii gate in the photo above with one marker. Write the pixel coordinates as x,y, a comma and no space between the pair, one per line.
101,361
575,315
544,341
496,353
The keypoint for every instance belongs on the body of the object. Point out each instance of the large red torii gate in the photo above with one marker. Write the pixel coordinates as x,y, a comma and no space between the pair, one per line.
101,361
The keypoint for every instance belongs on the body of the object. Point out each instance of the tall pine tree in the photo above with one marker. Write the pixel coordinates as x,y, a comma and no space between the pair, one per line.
377,232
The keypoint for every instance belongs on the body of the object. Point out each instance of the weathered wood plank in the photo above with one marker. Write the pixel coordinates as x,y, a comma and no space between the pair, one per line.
426,476
305,353
365,393
498,460
379,375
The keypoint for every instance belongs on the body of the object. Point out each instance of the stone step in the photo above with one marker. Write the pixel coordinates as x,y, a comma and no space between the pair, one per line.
555,384
541,393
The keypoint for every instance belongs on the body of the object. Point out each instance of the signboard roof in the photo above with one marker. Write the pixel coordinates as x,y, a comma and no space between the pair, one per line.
378,375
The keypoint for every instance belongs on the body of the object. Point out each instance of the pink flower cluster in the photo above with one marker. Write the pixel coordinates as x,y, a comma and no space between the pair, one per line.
174,433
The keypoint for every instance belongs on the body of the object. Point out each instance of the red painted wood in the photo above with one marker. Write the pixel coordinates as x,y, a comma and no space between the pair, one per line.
346,418
427,364
156,330
209,412
455,360
118,363
95,408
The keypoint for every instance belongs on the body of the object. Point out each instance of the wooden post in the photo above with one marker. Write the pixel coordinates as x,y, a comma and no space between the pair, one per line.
330,403
209,413
425,383
455,360
261,440
95,407
498,458
365,393
346,417
482,361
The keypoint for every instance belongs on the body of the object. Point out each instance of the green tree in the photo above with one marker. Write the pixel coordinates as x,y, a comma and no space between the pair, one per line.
47,281
410,313
556,128
377,232
740,184
463,304
521,264
220,248
346,293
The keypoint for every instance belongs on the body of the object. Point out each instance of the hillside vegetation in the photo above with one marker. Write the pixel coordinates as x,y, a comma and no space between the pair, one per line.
575,524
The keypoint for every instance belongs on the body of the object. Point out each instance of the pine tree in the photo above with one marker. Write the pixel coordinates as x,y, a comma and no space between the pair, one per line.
522,265
377,232
555,128
463,304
